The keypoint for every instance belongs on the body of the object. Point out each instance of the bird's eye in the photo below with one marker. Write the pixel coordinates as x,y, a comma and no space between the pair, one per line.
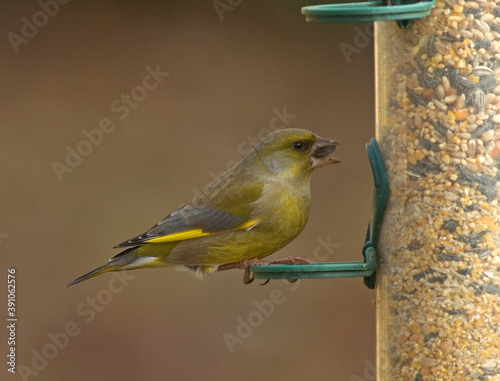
299,146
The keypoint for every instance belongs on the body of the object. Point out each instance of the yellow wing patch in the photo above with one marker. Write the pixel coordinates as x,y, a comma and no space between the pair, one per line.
249,225
196,233
189,234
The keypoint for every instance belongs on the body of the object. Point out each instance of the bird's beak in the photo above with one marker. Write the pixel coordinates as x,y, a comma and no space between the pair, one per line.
321,151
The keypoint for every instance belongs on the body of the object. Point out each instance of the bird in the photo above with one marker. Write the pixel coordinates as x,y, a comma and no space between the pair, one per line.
248,213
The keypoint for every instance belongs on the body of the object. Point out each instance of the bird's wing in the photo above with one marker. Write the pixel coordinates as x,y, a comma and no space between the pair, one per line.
191,221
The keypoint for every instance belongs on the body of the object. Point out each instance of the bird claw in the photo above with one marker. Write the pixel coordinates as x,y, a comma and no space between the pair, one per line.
247,276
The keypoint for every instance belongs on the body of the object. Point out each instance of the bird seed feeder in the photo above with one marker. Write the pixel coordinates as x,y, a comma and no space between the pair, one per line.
437,72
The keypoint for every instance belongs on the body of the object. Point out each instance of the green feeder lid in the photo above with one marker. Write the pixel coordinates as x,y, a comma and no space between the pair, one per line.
377,10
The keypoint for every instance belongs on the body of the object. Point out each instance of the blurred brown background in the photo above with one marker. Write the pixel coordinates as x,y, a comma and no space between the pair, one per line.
225,78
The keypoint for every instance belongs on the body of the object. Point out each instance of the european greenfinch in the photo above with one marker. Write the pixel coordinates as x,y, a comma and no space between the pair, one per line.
246,214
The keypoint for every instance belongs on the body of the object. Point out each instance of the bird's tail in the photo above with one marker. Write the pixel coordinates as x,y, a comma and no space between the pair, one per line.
128,259
98,271
136,257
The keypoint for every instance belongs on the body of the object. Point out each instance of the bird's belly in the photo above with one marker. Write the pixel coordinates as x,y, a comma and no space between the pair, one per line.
275,231
235,246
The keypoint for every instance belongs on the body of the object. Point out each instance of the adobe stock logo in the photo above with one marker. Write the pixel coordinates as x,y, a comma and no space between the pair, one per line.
262,310
31,26
122,107
222,7
361,40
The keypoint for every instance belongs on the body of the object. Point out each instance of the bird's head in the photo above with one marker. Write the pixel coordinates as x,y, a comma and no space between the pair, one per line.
294,152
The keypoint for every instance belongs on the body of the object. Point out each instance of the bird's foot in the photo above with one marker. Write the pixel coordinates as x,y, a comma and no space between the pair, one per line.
291,261
288,261
245,266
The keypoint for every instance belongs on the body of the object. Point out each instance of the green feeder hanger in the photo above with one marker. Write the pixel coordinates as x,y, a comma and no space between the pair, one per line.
364,269
403,11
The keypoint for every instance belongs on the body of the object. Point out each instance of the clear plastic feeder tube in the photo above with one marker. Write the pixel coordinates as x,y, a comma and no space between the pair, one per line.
438,128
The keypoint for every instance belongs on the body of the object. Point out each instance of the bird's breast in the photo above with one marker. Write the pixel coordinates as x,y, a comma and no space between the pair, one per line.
284,211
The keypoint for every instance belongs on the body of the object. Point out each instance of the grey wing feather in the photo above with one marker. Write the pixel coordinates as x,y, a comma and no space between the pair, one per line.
188,218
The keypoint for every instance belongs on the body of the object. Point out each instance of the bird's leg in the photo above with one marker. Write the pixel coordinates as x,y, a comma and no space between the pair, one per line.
245,266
